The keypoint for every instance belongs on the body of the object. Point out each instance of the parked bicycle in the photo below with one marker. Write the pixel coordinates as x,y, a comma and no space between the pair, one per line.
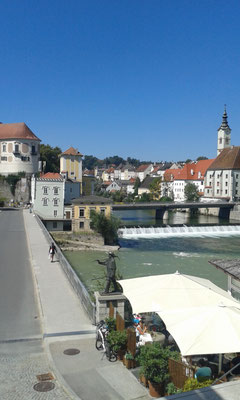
102,343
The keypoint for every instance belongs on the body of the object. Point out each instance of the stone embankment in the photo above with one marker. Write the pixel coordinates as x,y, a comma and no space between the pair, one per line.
69,241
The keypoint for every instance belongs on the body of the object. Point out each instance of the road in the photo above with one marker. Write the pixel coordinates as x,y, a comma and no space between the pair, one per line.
22,355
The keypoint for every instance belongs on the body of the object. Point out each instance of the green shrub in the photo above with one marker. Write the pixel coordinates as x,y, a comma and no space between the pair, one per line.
117,340
111,323
193,384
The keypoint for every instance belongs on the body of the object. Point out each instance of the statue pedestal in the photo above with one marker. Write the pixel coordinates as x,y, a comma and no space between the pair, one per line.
103,304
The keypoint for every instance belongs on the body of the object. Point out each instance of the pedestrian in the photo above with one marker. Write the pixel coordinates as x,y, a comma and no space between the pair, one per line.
52,251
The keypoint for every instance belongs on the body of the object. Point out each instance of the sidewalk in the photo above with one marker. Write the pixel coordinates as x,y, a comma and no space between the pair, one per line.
86,375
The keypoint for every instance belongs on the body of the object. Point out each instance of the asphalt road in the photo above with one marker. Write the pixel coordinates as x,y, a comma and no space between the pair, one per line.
19,312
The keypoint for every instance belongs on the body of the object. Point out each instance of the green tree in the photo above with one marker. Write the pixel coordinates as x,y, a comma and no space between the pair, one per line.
136,186
107,227
155,188
145,197
133,161
51,156
202,158
191,192
188,160
114,160
90,162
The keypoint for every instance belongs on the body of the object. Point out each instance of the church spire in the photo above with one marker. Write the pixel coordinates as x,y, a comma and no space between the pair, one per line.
224,124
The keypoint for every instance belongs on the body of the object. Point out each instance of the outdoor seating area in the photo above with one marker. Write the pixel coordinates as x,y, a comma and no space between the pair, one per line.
191,317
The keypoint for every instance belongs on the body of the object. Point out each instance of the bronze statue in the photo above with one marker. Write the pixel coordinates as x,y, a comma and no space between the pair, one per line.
111,271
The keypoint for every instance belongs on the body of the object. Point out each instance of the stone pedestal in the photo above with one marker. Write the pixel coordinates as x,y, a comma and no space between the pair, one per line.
102,305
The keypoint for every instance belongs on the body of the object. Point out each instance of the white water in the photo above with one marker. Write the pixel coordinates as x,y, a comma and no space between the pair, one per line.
179,231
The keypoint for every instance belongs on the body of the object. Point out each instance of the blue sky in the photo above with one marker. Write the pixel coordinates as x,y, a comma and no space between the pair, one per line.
141,78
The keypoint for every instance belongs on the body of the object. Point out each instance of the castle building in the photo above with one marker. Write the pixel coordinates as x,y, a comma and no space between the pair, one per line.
19,149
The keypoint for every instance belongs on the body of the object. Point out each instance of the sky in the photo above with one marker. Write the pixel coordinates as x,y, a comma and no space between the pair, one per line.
146,79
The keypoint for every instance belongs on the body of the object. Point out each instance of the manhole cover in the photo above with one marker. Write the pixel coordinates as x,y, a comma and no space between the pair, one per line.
44,386
71,352
45,377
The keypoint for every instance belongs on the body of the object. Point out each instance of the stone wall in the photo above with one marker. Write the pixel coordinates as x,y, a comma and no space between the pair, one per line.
22,191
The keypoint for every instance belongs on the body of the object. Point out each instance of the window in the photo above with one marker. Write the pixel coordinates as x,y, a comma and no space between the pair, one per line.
33,150
236,176
217,183
45,190
208,191
217,191
226,183
226,191
55,213
45,202
3,158
81,212
23,158
210,183
226,176
16,148
55,190
220,141
236,184
4,148
218,176
102,210
236,192
55,202
81,225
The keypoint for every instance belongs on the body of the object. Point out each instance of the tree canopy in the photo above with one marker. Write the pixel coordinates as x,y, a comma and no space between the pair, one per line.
51,157
191,192
107,227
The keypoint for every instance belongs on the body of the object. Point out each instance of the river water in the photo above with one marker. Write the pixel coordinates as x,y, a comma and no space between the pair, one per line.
151,256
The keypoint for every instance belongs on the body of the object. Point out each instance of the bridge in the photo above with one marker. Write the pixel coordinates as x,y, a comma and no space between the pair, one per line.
161,208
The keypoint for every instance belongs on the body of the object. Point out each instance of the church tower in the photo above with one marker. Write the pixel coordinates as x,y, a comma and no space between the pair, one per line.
224,134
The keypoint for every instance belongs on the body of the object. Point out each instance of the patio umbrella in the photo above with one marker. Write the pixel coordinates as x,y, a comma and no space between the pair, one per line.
209,329
170,291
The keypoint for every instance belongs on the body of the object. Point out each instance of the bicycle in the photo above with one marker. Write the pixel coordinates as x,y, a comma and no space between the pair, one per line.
102,343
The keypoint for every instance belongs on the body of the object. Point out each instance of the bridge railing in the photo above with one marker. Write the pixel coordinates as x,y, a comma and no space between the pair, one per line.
77,285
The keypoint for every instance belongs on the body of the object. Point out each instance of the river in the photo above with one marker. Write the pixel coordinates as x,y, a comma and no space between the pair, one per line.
141,257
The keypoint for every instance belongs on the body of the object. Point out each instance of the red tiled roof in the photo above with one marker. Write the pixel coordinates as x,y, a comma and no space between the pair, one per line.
142,167
171,174
52,175
16,131
191,171
72,152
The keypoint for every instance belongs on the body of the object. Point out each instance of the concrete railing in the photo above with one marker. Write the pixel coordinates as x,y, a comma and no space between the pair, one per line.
77,285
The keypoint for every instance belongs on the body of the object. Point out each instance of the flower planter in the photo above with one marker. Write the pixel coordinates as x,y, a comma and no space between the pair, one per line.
143,380
156,389
120,354
129,363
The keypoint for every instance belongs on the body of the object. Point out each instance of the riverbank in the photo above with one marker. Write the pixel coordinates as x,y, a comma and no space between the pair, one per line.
71,241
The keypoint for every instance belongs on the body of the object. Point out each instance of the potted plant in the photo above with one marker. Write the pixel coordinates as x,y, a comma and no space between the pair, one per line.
111,323
129,360
156,371
118,342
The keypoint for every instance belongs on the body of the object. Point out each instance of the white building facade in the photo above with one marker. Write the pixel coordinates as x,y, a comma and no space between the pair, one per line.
19,149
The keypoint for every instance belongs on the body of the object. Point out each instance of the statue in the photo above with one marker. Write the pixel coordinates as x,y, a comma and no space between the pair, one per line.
111,270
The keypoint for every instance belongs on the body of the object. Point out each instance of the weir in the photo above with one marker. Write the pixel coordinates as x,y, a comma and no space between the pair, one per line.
178,231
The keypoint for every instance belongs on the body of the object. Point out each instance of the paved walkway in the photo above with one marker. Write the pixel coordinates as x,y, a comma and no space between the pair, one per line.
87,375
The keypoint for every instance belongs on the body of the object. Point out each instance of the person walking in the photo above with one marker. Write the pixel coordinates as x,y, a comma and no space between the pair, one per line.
52,251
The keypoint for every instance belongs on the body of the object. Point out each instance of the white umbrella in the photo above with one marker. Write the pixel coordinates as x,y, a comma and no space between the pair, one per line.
164,292
210,329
